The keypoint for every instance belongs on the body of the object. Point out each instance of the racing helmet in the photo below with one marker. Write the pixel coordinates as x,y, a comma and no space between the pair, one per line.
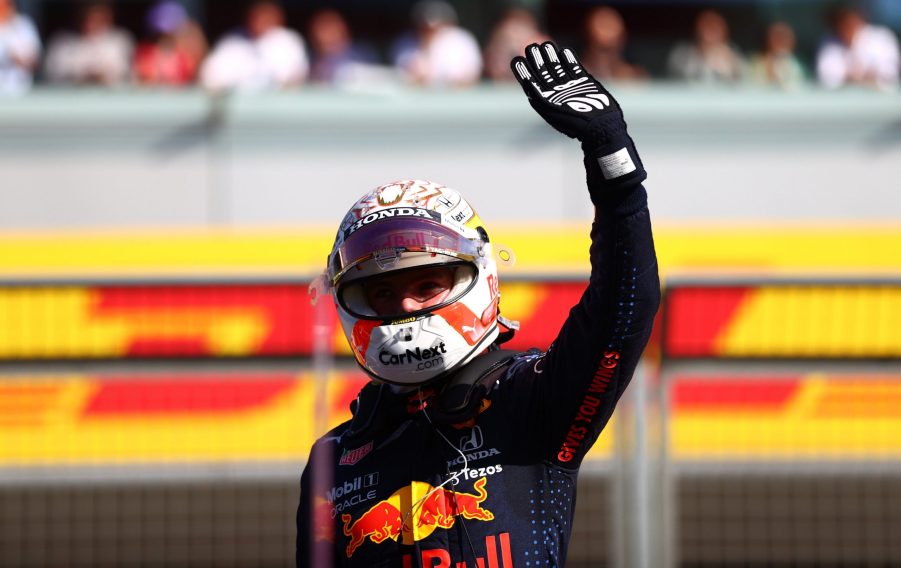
410,225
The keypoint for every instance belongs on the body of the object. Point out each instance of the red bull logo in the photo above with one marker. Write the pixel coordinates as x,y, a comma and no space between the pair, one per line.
498,554
413,512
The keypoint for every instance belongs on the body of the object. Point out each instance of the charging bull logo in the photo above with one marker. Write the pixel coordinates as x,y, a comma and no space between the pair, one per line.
413,512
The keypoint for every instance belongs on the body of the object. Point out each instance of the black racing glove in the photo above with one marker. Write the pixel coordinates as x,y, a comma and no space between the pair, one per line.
576,104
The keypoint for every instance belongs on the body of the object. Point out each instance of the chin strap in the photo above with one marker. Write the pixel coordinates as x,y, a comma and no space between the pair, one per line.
461,397
505,336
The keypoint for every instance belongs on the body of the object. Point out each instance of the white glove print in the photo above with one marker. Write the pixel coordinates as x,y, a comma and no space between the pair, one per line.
560,85
573,102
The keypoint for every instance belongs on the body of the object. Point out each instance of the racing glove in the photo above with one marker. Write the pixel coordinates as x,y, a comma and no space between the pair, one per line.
576,104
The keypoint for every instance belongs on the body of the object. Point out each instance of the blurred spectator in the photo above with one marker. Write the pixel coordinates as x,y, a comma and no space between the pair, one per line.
176,47
603,57
858,53
20,47
335,55
438,53
265,55
888,12
777,65
516,29
99,54
710,58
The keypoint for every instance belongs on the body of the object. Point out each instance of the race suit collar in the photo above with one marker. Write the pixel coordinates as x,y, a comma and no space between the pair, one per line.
380,407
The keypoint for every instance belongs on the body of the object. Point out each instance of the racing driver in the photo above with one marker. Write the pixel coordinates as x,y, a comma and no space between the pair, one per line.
460,454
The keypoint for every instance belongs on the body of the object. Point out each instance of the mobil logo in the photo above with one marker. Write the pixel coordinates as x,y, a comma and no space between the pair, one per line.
413,512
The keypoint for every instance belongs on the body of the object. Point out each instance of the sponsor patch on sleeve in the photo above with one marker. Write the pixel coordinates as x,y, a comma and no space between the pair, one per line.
616,164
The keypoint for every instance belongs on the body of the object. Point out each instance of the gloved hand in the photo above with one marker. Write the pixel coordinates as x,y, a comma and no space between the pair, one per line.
576,104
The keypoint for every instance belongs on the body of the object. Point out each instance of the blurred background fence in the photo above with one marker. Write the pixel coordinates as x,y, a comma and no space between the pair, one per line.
159,389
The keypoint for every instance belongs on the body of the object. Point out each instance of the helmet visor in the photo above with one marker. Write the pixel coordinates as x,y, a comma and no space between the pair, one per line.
387,242
409,292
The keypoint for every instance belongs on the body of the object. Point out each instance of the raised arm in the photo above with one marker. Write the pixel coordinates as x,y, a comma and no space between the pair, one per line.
572,390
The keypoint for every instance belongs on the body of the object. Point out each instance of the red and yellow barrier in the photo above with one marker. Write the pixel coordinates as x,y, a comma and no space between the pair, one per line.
212,320
160,419
92,420
811,417
78,419
768,249
103,420
61,322
235,320
783,321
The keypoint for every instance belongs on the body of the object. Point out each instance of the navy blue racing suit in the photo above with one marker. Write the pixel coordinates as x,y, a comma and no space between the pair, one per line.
512,506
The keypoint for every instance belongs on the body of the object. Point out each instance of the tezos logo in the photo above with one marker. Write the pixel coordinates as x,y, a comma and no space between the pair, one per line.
426,358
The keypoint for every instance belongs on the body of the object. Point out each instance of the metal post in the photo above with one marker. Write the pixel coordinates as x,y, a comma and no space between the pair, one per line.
640,492
323,363
218,158
639,500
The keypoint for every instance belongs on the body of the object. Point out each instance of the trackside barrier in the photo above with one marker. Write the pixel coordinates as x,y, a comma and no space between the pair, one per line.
763,427
178,404
227,320
781,422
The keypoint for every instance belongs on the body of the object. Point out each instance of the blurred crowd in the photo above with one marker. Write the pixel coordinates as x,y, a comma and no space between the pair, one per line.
266,53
